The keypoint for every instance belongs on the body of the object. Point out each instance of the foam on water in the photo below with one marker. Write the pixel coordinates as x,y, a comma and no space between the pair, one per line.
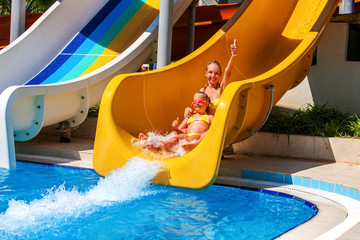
124,184
154,138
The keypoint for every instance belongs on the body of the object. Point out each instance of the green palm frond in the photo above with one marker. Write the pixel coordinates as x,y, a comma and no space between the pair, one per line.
32,6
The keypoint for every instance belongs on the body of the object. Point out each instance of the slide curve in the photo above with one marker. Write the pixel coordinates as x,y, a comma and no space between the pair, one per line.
61,65
276,41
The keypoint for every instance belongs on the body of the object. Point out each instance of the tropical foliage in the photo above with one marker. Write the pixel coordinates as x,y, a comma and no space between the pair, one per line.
314,120
94,111
32,6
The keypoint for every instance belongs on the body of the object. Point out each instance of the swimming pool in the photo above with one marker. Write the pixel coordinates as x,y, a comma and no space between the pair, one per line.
47,202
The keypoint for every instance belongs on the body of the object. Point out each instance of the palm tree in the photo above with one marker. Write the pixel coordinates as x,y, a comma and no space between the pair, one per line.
32,6
5,6
38,5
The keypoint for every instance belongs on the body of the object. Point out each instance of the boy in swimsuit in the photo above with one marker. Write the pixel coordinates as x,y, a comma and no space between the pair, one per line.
192,129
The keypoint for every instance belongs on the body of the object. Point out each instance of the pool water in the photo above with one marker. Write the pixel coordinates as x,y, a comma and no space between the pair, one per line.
46,202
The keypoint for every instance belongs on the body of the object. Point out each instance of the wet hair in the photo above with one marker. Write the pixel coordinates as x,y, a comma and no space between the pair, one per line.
214,62
206,97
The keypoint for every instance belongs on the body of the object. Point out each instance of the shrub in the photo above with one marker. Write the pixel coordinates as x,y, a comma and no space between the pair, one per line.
314,120
94,111
32,6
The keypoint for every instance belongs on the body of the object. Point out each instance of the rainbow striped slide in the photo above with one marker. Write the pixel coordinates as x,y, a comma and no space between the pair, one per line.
109,33
61,65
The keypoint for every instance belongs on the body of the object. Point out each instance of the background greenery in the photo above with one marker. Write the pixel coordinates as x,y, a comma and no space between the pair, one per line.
32,6
314,120
94,111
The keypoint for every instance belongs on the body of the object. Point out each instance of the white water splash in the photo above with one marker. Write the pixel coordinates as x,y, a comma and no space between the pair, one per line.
154,138
124,184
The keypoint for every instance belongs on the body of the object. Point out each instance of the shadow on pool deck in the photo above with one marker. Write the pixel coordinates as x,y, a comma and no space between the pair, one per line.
48,149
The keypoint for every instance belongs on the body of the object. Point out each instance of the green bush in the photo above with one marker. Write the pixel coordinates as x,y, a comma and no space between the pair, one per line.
314,120
94,111
32,6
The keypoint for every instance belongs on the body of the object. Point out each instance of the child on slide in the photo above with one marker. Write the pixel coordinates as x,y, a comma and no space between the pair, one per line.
214,87
192,129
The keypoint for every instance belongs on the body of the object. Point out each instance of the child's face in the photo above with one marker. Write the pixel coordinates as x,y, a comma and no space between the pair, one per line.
212,73
199,103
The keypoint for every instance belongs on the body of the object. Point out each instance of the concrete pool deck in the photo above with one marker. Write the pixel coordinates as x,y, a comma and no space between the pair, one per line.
78,153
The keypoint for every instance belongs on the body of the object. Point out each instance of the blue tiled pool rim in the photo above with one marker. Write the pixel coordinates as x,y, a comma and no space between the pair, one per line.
301,181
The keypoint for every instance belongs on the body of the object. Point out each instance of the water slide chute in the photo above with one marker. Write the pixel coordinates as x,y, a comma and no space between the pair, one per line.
276,40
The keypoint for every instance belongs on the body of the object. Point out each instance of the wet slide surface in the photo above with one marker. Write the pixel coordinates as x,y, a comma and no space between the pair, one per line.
275,50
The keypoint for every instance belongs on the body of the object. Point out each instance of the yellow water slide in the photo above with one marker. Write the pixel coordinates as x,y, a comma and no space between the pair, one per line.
276,41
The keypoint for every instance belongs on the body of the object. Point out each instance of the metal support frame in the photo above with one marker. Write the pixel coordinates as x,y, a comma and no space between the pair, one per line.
35,106
347,6
17,26
191,27
84,106
165,33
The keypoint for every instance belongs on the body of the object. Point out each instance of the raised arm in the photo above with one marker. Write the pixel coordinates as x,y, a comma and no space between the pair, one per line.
188,112
227,73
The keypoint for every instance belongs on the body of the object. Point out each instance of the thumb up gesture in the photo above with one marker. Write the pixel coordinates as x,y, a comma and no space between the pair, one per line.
233,48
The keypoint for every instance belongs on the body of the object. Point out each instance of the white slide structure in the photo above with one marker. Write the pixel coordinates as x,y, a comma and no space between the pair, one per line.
39,88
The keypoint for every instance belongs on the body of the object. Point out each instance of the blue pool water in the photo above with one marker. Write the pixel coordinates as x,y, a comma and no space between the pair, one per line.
48,202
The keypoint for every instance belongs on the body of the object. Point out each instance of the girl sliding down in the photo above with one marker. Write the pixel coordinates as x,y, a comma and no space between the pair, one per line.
192,129
214,87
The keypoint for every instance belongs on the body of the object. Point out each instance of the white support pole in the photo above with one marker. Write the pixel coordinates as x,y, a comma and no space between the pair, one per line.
17,26
165,33
7,144
347,6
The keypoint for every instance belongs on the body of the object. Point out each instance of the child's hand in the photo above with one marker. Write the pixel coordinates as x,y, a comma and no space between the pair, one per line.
233,48
188,112
175,124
